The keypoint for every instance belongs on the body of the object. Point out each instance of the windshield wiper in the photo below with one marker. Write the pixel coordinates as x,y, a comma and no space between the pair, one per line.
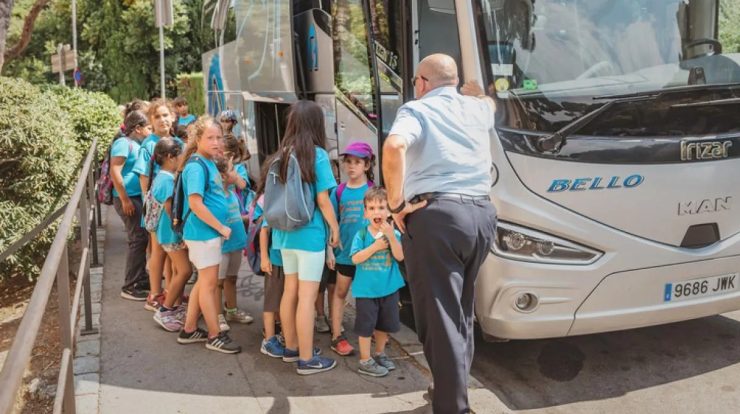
556,140
714,102
675,89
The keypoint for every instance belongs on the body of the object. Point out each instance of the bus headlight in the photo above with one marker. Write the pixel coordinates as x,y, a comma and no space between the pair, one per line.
520,243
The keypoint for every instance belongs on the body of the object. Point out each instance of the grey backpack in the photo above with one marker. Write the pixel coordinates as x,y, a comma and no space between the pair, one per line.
288,205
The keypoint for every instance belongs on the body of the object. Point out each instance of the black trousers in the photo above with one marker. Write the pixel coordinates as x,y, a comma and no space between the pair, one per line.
138,238
444,246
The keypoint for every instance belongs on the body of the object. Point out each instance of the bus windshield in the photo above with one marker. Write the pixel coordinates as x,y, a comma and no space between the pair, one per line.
564,49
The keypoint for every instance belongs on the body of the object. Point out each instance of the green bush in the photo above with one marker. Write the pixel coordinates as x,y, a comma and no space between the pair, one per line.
93,114
38,164
191,87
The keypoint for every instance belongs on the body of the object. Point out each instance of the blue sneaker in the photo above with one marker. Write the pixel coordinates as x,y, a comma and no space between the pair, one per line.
272,347
315,365
290,355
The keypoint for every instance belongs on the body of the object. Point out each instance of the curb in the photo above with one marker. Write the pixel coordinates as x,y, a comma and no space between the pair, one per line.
86,365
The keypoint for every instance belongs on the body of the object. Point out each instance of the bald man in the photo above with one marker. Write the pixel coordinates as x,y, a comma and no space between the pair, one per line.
437,167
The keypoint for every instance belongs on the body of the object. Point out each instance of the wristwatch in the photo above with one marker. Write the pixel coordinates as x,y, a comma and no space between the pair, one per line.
399,208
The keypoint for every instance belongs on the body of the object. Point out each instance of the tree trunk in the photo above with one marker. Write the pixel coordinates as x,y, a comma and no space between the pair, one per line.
6,7
28,24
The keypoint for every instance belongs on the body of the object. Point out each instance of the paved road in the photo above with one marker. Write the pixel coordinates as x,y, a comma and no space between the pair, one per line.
689,367
144,370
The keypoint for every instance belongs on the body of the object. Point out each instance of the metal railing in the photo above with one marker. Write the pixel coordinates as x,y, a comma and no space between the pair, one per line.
56,268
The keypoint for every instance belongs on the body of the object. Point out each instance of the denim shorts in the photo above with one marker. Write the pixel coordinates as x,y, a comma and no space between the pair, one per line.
308,265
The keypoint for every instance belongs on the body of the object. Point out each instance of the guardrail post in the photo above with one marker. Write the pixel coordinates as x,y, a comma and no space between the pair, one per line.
65,326
99,218
96,218
85,225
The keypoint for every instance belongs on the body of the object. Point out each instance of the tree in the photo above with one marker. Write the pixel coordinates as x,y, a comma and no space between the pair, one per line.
729,26
6,7
25,38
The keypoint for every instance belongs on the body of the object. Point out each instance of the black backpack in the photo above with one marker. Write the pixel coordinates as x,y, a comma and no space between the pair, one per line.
178,197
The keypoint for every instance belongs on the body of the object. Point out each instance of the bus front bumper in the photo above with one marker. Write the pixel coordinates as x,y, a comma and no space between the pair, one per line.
577,301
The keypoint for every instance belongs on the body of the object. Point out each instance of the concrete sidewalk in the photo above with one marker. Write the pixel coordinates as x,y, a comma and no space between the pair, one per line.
144,370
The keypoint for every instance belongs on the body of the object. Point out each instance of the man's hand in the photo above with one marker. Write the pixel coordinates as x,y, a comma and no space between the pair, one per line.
127,206
401,216
472,88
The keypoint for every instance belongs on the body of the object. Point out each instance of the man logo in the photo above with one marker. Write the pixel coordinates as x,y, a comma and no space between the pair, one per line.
704,206
704,150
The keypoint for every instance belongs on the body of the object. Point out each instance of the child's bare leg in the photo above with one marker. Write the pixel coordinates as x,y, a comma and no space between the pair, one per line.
268,319
338,300
365,343
168,272
191,318
381,339
180,277
288,305
155,265
330,292
320,304
229,285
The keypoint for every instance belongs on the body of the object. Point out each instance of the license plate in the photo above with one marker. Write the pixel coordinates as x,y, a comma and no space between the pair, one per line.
696,288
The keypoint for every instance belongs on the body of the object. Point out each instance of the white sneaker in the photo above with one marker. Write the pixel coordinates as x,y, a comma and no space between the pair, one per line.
239,316
321,324
222,325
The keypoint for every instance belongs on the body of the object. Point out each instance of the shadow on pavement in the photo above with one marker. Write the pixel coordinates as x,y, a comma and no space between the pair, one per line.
545,373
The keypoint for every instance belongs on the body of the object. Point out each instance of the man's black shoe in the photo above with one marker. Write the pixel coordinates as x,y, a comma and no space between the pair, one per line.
134,294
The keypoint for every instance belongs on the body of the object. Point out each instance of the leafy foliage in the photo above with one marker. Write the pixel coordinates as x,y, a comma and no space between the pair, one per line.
190,86
93,115
729,26
118,45
44,134
38,160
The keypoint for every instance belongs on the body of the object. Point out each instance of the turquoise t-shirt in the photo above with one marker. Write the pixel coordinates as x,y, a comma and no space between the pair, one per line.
311,237
378,276
275,257
127,148
351,214
241,169
186,120
162,189
214,198
238,238
145,154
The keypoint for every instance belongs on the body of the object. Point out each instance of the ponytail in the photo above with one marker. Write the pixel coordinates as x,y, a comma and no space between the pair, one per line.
370,173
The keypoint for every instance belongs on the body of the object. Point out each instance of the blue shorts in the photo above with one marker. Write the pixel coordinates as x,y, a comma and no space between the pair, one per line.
308,265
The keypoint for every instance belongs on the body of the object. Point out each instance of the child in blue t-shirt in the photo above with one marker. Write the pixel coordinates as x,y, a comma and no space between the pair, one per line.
358,161
161,117
171,312
231,249
205,217
376,250
181,109
271,262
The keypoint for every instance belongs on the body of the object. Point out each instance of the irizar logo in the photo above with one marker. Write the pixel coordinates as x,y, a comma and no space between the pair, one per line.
709,205
595,183
704,150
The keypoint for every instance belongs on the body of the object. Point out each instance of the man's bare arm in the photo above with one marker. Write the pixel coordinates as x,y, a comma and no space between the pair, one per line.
394,168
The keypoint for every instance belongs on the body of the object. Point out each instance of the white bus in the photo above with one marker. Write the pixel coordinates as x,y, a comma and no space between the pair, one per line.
616,150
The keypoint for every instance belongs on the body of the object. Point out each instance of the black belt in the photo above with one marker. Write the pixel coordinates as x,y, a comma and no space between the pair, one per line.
448,196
